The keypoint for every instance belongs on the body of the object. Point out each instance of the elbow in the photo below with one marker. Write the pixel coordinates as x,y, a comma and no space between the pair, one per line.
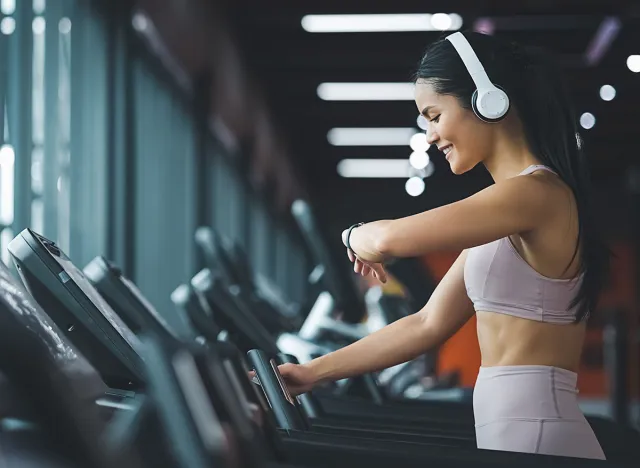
431,334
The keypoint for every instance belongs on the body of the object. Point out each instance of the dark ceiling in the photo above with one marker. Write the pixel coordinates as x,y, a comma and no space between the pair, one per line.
290,63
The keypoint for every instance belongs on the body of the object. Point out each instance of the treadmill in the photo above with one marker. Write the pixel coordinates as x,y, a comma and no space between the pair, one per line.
76,307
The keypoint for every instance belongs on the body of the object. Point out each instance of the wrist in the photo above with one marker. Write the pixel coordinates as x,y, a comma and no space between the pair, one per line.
320,372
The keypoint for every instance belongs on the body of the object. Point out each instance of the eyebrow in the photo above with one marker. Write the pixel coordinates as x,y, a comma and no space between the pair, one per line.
426,110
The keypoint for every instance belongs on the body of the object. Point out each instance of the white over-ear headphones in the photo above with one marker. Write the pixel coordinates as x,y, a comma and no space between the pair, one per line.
489,102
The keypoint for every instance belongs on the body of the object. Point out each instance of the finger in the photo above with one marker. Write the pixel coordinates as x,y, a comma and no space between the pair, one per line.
380,272
352,257
357,266
366,269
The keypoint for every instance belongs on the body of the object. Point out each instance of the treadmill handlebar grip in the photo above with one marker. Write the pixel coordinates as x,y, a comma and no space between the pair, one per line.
308,405
275,389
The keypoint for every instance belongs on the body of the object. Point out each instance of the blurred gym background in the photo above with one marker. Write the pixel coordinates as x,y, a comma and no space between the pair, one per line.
125,125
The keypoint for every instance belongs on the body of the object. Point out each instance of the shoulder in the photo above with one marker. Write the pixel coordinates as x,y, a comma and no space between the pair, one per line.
532,192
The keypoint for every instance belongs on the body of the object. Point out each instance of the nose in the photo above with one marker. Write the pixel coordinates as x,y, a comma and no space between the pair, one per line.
432,136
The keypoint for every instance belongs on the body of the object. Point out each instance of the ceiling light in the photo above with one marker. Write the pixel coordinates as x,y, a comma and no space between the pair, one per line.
38,25
7,156
419,143
379,23
633,62
587,120
7,25
419,159
374,168
8,7
422,122
64,26
607,92
140,22
441,21
414,186
366,91
393,136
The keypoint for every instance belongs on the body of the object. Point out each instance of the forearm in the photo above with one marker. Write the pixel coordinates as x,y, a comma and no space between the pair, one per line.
396,343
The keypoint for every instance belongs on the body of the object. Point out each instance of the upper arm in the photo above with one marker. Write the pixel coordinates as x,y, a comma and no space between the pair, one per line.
503,209
449,307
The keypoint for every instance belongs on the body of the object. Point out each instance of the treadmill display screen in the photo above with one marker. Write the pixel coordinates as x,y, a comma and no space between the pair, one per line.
94,296
38,322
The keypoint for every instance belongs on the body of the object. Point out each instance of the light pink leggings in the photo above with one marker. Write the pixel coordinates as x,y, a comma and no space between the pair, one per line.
532,409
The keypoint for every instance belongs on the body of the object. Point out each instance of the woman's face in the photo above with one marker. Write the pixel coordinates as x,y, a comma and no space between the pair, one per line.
464,139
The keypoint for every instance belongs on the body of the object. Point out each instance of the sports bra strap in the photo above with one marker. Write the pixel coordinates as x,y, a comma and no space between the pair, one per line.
537,167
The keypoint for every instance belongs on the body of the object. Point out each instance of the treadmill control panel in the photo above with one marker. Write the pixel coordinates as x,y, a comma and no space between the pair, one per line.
74,274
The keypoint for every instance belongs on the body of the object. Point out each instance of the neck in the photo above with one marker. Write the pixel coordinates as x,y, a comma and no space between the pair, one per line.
509,157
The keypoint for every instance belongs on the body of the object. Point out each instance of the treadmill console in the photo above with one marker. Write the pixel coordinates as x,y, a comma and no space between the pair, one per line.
77,307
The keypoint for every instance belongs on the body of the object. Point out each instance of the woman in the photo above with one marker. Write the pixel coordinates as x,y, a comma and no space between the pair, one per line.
531,266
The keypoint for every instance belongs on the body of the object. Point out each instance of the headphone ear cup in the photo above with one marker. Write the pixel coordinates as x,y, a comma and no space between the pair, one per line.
474,105
478,111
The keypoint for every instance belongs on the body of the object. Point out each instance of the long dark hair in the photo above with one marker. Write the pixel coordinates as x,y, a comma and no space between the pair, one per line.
537,91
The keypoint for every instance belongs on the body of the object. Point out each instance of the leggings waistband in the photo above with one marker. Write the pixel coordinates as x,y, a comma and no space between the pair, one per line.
525,392
561,376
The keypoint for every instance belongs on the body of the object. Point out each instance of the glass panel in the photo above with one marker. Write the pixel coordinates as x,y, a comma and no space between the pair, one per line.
37,215
38,81
5,237
37,158
64,129
7,159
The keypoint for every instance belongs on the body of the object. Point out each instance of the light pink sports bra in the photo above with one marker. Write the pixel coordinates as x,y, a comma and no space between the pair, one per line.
499,280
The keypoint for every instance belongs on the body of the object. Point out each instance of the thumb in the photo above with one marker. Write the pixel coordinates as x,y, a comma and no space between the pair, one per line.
285,368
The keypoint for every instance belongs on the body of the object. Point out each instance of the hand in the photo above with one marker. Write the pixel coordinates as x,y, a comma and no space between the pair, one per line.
299,379
367,260
365,268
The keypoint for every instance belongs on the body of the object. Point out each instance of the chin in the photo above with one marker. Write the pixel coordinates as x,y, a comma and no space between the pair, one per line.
457,168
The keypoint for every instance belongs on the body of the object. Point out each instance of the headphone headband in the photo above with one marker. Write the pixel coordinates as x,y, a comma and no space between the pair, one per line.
471,61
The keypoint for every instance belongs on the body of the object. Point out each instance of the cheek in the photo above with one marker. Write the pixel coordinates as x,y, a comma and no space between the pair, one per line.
469,135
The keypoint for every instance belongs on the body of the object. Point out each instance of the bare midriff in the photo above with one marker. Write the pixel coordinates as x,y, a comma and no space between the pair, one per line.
506,340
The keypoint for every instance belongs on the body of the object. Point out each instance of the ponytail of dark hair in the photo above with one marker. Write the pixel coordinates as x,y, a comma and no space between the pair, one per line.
537,90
